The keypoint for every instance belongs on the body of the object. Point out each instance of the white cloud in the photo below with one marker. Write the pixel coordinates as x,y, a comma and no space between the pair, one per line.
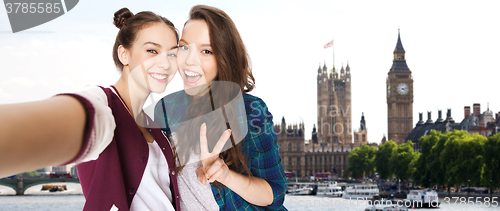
4,95
21,81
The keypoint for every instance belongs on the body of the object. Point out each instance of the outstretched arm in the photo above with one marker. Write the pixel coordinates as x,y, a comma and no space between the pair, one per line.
41,133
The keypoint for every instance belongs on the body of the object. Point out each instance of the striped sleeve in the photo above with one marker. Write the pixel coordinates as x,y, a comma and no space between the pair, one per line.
100,126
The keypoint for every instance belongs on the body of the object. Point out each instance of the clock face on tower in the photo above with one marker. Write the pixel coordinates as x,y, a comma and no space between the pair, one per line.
402,89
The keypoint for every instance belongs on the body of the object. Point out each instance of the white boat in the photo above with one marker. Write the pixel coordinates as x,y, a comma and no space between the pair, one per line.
300,189
423,198
329,189
365,191
386,208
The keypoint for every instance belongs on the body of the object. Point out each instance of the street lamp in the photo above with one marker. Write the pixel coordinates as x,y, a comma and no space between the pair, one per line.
491,190
399,185
448,184
468,189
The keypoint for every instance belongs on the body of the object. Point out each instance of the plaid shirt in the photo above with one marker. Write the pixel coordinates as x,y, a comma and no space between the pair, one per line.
260,147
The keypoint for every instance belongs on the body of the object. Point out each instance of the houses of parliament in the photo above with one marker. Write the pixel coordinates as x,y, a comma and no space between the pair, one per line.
333,138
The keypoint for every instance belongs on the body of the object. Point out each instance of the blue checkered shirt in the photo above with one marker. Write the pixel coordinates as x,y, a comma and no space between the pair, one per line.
260,147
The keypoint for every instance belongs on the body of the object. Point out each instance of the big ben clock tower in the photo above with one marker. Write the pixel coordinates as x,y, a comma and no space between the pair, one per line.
399,97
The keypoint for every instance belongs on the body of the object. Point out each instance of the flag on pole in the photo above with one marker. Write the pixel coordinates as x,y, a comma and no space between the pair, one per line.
329,44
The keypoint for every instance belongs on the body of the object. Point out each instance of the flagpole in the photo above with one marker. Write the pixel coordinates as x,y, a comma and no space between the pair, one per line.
333,52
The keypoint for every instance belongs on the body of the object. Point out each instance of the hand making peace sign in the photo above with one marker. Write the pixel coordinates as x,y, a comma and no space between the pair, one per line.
212,167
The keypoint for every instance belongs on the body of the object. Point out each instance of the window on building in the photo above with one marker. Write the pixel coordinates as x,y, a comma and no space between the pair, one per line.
289,147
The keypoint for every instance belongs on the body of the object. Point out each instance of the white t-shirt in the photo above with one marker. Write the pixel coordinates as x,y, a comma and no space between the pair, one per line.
154,190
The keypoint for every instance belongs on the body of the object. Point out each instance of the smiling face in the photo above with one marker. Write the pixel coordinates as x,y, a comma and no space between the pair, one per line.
152,58
197,63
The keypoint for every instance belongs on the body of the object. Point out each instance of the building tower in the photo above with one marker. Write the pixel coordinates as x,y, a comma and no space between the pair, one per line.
399,97
361,136
334,106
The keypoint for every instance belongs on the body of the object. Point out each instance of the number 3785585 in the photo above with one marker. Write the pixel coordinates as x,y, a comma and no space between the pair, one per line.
33,7
486,201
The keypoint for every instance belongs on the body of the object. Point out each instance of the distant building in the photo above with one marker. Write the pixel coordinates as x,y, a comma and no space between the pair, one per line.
73,171
399,96
361,136
60,169
44,170
486,124
334,106
306,159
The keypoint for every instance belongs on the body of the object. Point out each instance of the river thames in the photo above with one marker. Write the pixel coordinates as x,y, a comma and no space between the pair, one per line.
72,200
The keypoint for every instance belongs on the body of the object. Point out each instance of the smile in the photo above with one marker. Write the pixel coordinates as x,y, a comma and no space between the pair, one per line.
159,77
191,78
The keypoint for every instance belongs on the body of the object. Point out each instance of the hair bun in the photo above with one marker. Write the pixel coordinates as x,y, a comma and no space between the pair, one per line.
121,17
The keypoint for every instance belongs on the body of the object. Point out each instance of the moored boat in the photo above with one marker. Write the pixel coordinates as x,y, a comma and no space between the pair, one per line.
302,189
386,208
329,188
423,198
365,191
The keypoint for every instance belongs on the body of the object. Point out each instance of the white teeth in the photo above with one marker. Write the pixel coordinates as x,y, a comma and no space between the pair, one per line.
191,73
158,76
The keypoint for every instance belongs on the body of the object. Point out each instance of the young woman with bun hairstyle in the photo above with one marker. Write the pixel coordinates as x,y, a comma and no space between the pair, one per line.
249,175
124,161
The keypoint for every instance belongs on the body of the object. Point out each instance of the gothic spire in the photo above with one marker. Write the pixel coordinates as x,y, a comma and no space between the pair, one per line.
399,46
363,122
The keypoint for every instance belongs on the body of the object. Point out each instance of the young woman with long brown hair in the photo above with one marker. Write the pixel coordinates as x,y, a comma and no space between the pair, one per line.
249,175
124,161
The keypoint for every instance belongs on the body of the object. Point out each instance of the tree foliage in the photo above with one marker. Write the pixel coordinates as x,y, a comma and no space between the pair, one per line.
361,161
491,164
462,157
382,157
453,158
401,160
28,173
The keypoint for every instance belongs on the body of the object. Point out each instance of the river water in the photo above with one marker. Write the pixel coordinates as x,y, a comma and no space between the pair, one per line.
74,200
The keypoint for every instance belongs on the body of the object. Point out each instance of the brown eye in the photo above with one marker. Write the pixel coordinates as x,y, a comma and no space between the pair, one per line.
206,52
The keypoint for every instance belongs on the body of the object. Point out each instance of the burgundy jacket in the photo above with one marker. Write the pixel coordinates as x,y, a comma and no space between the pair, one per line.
114,177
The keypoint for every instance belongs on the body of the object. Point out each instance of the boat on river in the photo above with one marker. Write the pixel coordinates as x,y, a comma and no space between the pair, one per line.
365,191
329,188
302,189
423,198
386,208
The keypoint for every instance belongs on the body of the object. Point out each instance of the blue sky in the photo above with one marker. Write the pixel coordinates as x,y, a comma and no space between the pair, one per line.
451,48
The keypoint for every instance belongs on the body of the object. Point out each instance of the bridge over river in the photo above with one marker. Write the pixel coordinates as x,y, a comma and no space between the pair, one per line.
20,185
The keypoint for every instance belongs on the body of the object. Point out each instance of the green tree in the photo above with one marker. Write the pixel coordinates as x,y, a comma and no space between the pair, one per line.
423,175
491,164
401,160
462,157
382,157
28,173
361,161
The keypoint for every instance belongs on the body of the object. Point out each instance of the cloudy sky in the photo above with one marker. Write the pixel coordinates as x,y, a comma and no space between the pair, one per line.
452,49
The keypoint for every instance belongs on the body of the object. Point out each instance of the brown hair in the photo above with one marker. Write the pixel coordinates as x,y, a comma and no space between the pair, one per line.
130,24
232,65
228,48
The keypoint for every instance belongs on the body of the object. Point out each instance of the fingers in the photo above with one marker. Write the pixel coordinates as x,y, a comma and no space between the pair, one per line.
221,142
201,175
217,175
218,163
220,173
203,140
